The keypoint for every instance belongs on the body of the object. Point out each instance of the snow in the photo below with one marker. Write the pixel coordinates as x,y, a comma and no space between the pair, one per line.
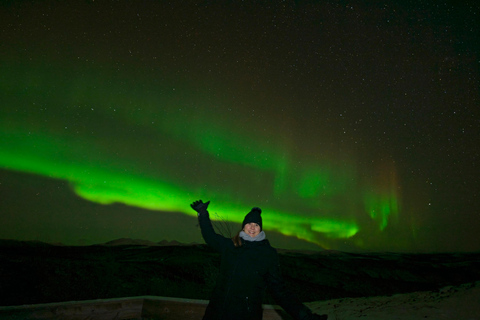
453,302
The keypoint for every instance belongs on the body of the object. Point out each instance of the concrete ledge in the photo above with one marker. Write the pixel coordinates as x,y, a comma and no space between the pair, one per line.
133,308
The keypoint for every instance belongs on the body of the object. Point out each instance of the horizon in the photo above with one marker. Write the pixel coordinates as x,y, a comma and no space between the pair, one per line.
166,243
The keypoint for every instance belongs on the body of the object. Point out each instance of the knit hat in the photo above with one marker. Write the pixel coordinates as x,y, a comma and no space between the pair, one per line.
253,216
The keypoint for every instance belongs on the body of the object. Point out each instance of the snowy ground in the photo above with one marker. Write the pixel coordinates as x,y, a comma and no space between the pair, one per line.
452,302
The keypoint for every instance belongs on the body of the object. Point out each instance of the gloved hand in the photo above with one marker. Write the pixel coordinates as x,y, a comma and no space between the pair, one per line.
200,206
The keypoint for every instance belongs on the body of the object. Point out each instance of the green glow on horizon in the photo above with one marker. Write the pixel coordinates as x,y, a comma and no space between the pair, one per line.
141,149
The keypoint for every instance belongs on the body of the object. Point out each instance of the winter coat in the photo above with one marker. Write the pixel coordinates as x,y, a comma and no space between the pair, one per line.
245,273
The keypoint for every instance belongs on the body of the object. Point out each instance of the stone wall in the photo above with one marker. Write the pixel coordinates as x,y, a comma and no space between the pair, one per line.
134,308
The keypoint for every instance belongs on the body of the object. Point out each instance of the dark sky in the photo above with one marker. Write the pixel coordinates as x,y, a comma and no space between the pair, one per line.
354,125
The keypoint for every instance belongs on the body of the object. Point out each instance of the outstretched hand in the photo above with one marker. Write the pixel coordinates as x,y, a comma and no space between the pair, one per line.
200,206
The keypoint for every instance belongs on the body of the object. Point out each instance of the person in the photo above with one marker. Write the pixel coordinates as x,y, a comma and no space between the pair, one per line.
249,265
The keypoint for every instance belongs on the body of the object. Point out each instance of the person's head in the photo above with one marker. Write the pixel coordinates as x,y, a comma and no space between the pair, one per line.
252,224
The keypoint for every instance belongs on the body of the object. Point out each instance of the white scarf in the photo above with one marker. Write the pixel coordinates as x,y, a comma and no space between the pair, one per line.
246,237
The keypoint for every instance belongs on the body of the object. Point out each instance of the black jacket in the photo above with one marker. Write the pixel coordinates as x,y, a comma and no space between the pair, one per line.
245,273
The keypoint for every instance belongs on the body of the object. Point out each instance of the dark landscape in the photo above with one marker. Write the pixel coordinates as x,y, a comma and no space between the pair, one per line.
36,272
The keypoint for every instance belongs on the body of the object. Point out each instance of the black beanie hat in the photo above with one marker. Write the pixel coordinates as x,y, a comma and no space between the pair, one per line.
253,216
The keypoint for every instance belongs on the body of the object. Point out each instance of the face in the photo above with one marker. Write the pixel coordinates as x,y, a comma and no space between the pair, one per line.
252,229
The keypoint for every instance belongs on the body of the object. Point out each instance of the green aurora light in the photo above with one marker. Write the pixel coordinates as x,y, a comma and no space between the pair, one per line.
164,144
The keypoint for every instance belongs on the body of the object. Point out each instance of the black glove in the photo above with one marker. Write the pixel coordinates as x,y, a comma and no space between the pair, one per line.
200,206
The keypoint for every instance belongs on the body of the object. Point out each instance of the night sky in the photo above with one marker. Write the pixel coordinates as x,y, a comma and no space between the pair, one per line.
354,125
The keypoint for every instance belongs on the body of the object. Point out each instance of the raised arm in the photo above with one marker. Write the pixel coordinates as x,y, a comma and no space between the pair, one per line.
213,239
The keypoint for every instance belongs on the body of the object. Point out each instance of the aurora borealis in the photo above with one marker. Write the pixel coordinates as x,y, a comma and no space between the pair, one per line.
353,126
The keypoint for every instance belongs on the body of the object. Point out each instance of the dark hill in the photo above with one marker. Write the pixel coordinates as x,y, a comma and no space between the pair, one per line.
38,273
